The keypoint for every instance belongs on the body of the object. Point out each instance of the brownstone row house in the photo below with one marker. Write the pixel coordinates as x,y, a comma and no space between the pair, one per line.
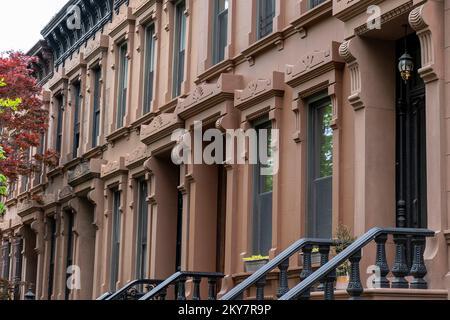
358,145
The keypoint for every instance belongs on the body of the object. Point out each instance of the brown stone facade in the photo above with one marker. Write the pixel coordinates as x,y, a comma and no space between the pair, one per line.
86,211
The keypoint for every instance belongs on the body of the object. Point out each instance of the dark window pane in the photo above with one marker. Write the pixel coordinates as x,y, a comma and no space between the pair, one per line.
263,192
149,67
76,119
221,30
180,47
315,3
96,109
116,234
142,237
51,273
69,258
59,126
320,170
123,85
266,14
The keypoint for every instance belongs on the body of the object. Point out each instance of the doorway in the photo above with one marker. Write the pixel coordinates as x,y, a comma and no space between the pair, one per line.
411,164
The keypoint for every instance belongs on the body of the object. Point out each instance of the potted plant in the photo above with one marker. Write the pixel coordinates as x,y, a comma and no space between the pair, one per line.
344,239
254,263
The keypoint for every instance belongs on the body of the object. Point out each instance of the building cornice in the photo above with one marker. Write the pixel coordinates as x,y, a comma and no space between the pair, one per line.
94,14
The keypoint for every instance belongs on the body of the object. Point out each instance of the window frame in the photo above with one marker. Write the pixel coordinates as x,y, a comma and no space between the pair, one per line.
115,238
149,67
258,192
142,236
96,106
262,14
76,119
70,248
59,123
314,105
122,89
179,56
219,44
315,3
52,257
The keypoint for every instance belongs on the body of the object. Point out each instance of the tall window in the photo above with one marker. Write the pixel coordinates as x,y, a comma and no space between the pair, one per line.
142,236
262,193
59,123
76,119
266,13
69,258
51,271
220,29
39,174
96,104
320,169
149,73
315,3
25,178
123,85
179,47
115,240
6,251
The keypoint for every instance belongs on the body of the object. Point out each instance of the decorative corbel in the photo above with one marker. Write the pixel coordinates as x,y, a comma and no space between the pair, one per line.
355,75
417,22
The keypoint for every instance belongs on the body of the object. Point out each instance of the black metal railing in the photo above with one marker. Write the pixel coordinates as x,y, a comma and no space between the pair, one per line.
400,268
104,296
134,290
179,280
281,262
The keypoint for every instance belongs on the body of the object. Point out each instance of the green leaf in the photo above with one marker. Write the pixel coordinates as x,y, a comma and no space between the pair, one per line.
2,209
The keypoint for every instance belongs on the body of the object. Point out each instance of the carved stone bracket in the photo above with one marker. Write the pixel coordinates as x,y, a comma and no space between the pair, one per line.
355,75
418,23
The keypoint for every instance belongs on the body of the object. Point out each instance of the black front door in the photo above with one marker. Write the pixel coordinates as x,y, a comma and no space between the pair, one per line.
411,144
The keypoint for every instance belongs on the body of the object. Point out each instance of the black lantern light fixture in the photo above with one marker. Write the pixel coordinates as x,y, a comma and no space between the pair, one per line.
406,64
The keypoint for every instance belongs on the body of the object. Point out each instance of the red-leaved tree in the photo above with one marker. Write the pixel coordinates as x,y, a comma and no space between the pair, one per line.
23,123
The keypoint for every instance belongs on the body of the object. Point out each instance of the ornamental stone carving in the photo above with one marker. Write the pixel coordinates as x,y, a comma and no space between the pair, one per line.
313,64
94,47
209,94
113,168
65,193
259,90
137,156
85,171
160,127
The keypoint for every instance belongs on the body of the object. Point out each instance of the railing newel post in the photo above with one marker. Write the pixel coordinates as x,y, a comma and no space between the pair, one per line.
260,285
418,269
329,285
355,288
196,294
283,278
307,269
182,289
381,263
324,251
400,269
212,289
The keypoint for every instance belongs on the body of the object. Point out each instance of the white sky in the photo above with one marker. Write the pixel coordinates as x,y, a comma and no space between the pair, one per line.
22,21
